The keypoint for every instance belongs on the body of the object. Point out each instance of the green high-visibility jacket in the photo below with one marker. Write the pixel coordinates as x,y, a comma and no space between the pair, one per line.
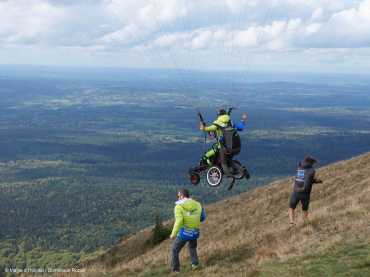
188,213
222,121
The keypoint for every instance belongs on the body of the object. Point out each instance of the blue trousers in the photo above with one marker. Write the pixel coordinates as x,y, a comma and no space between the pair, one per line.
178,244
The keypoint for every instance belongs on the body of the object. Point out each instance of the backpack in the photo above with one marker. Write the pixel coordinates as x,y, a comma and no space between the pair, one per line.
231,141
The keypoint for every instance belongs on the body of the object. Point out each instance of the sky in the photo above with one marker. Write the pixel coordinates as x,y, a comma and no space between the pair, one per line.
231,35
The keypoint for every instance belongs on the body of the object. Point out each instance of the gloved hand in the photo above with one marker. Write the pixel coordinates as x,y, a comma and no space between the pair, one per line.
300,190
201,126
244,117
318,181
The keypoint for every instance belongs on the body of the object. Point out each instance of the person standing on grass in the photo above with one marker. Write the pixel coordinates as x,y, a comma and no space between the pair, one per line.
188,213
302,188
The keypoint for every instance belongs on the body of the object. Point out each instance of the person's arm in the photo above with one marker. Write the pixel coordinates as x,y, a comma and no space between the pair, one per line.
211,128
207,129
179,221
202,216
308,180
239,127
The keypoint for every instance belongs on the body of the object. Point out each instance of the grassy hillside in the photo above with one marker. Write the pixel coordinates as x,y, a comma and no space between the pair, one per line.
245,235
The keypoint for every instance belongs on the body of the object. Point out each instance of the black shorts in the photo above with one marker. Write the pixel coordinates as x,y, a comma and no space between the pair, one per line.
296,197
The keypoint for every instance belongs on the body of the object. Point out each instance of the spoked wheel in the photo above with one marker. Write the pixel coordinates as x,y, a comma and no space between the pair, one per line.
237,173
214,176
194,178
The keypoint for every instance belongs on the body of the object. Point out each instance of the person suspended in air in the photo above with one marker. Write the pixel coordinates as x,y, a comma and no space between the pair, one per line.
229,144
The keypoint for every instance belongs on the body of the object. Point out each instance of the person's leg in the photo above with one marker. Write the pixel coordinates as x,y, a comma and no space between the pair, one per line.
178,244
294,199
304,214
193,252
305,204
230,160
237,167
224,163
291,215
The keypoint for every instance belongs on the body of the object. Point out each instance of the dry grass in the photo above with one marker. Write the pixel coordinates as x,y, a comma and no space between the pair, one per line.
242,233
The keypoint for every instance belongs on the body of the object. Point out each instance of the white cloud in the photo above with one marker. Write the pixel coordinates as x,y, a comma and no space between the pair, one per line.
247,38
89,48
292,26
25,21
313,28
127,35
203,40
161,12
169,40
276,28
317,14
353,21
348,28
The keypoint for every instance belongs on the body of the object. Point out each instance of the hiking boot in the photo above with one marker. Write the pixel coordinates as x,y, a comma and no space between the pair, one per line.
231,182
290,227
194,267
246,173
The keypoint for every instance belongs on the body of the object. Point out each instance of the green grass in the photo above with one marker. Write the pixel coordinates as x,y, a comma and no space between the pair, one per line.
161,269
339,261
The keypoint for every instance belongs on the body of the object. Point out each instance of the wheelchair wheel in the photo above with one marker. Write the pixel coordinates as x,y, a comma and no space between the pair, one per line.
214,176
194,178
238,175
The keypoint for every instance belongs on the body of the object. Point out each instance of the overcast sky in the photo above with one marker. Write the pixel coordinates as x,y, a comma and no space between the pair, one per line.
288,35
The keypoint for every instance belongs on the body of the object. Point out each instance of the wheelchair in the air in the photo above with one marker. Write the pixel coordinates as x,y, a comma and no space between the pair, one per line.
213,171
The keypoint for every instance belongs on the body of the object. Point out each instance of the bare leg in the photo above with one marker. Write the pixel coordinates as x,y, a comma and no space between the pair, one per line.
304,214
291,215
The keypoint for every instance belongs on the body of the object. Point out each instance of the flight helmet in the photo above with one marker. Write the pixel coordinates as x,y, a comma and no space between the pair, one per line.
221,112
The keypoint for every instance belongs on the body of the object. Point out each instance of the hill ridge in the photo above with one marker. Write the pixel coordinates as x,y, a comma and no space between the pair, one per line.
243,234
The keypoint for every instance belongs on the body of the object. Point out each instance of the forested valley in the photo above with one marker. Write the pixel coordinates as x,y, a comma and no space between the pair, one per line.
85,163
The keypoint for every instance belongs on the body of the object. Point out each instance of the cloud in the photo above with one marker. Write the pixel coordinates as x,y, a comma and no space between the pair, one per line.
170,40
205,27
25,22
160,13
294,24
349,28
203,40
352,21
126,35
313,28
317,14
38,22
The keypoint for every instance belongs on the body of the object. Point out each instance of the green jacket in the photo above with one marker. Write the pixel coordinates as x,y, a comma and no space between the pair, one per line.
223,119
188,213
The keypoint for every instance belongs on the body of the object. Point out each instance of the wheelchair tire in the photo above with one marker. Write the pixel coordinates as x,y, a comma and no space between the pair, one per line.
214,176
238,175
194,178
